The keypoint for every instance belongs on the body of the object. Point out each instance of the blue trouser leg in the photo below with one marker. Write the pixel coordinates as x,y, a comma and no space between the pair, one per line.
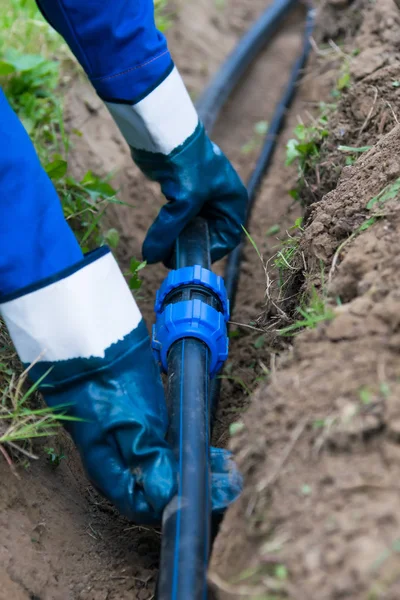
35,240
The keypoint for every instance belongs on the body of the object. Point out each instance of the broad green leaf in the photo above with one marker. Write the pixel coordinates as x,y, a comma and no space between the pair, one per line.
56,169
96,186
300,131
23,62
6,68
281,572
135,283
136,265
292,152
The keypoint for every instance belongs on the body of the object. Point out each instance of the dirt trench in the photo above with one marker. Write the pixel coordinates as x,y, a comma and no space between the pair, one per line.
59,539
319,448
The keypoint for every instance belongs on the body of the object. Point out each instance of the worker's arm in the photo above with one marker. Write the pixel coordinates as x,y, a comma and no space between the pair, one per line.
74,321
128,62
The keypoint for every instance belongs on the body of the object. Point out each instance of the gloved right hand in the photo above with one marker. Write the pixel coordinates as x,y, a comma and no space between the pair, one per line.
86,329
94,350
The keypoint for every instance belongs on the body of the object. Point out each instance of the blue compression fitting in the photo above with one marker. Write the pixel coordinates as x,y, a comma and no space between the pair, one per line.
192,318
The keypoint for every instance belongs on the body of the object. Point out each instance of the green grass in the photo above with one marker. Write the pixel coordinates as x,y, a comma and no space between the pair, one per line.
314,311
22,415
285,260
303,150
34,63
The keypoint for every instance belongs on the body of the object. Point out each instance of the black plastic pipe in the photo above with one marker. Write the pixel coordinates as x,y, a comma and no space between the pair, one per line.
232,269
232,70
234,260
186,519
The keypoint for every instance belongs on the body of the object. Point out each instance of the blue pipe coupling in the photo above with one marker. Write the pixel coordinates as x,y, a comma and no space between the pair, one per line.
192,303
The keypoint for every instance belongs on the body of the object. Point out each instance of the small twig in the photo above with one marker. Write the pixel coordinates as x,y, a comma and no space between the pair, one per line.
246,326
336,256
338,50
371,110
393,113
318,50
365,487
244,591
23,451
25,373
289,449
9,461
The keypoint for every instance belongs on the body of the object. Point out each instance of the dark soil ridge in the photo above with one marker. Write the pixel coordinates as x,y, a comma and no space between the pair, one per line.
320,446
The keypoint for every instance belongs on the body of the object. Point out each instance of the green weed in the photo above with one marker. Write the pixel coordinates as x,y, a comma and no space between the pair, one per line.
235,428
134,281
390,192
304,148
354,150
22,419
273,230
306,489
54,457
312,314
343,82
259,132
284,260
163,16
365,395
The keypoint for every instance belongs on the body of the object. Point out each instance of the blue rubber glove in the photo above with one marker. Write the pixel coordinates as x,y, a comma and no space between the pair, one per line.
171,146
196,179
94,362
128,62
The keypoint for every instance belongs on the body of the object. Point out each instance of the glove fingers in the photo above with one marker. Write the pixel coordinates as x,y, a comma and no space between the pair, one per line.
226,481
117,483
171,220
152,462
225,220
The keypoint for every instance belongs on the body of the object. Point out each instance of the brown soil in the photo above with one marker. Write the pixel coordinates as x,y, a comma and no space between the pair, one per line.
369,38
60,541
319,449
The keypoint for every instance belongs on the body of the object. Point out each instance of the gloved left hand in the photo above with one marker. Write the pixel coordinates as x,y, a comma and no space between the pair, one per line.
129,64
170,145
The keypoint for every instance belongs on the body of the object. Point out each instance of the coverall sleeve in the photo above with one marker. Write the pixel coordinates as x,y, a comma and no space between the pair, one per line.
35,240
116,42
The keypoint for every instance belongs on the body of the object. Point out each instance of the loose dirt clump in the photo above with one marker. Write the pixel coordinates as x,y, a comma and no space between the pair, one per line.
365,70
319,447
339,19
